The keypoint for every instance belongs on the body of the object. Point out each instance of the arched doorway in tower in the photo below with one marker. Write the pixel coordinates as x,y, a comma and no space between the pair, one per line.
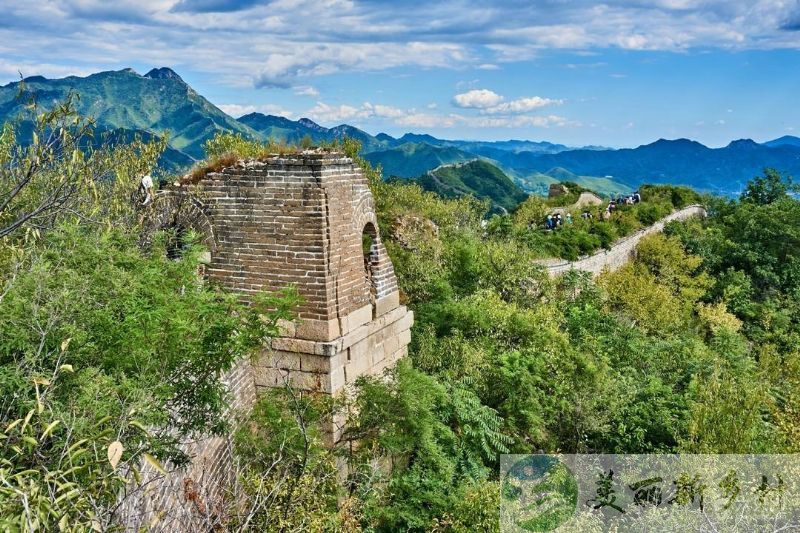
369,247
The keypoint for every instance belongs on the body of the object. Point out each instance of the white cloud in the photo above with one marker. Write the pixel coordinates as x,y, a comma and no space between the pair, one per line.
489,102
412,118
237,110
384,111
11,70
323,112
427,120
520,121
522,105
326,113
306,60
477,99
306,90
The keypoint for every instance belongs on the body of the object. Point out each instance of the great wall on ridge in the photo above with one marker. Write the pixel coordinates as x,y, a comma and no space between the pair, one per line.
622,251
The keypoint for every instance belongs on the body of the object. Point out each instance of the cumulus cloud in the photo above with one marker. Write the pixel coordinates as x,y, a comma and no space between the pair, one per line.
520,121
477,99
326,113
413,118
489,102
302,61
306,90
429,121
238,110
523,105
384,111
492,112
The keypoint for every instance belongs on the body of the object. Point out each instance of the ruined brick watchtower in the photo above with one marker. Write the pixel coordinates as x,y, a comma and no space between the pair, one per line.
307,220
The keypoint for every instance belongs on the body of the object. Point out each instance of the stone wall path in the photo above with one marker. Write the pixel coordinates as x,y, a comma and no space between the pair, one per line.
622,251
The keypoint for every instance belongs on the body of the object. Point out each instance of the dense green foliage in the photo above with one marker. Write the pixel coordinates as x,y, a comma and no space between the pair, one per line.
477,178
108,355
670,353
673,352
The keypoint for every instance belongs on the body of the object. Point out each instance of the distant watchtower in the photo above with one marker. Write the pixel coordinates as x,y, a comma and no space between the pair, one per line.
308,220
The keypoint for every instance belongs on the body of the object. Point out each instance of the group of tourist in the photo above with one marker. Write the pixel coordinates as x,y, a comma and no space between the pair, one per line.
555,220
629,199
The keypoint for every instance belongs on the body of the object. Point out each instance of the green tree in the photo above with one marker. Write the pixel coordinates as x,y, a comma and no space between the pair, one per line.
763,190
770,187
436,438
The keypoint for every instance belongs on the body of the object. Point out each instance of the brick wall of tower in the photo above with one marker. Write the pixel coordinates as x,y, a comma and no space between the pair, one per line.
271,231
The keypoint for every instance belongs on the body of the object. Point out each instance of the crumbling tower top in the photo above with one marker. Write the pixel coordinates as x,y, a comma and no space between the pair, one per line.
306,219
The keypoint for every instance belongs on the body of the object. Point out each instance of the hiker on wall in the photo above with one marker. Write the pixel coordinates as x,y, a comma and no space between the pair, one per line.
146,186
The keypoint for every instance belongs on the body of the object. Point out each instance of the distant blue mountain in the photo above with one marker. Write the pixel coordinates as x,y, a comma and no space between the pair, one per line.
786,140
681,161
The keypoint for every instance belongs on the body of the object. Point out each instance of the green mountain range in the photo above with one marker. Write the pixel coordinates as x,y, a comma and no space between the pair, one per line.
292,131
125,103
159,102
411,159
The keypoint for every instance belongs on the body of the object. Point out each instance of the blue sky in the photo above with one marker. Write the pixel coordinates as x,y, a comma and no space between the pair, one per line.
618,73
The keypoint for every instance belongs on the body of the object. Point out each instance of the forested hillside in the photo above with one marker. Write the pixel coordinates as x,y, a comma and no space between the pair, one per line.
479,179
409,160
110,354
157,103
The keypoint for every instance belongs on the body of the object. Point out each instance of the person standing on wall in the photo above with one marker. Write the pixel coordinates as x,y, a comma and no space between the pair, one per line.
148,189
